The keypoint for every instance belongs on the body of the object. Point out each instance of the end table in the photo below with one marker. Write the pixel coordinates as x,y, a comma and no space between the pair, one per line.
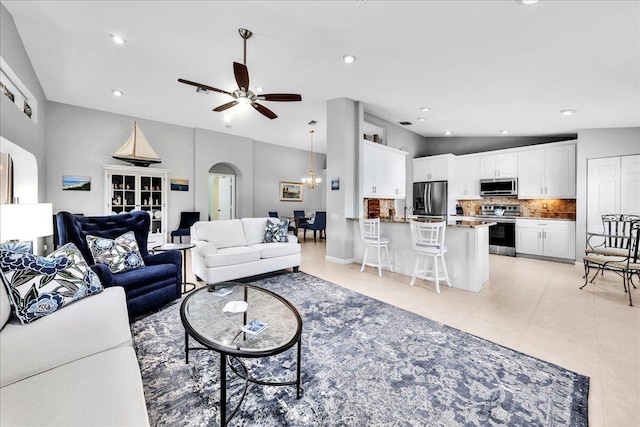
182,247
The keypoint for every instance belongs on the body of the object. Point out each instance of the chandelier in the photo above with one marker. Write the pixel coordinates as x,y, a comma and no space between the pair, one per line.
311,182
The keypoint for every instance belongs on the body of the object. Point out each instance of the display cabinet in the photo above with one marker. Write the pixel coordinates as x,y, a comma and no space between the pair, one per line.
130,188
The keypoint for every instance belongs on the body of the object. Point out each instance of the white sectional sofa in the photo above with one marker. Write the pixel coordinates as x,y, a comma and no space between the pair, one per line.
74,367
232,249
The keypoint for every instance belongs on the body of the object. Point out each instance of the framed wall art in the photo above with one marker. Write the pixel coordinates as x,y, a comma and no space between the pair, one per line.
290,191
76,183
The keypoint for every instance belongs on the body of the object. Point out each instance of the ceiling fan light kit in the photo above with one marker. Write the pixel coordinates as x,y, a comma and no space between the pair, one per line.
244,95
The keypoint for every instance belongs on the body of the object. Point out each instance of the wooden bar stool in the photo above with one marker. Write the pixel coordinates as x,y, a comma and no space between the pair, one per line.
370,235
428,242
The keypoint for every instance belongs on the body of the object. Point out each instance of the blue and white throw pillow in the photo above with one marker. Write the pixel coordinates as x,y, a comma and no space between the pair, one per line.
276,232
120,254
38,286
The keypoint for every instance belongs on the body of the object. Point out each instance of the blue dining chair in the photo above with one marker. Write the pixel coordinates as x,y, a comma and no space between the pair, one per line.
300,214
319,224
273,214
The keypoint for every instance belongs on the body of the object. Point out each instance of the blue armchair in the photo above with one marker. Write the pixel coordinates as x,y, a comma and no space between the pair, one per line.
147,288
319,224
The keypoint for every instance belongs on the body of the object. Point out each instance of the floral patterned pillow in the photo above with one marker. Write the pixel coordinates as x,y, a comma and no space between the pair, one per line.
120,254
276,232
39,286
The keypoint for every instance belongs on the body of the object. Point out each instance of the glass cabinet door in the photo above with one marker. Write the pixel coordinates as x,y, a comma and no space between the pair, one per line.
151,200
123,193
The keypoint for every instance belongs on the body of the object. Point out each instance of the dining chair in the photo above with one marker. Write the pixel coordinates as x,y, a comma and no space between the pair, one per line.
302,217
187,219
370,236
318,224
273,214
623,261
428,241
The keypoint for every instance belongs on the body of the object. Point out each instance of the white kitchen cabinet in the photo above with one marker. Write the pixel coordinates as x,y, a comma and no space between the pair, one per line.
384,172
132,188
466,174
432,168
548,238
547,173
504,165
612,188
396,173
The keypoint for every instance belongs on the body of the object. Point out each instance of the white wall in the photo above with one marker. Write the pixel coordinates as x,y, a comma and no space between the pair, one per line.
81,140
592,144
272,164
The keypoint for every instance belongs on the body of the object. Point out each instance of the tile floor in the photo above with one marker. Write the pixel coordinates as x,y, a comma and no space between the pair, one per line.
531,306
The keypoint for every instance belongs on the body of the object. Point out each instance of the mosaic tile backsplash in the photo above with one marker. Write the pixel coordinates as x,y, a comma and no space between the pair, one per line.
532,208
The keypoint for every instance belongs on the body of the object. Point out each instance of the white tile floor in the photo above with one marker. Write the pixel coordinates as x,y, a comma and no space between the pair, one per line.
531,306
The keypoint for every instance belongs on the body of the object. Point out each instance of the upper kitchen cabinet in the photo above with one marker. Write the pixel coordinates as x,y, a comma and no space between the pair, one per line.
503,165
547,173
433,168
384,172
466,173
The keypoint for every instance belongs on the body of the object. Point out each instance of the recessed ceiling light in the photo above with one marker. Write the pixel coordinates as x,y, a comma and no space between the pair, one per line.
504,131
116,38
527,2
448,133
421,119
116,92
567,112
348,58
259,89
425,109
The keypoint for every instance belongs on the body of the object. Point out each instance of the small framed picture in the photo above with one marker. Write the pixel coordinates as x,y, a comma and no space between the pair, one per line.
290,191
76,183
335,183
179,184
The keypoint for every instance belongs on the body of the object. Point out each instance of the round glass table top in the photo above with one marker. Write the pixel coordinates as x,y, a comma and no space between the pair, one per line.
208,316
173,247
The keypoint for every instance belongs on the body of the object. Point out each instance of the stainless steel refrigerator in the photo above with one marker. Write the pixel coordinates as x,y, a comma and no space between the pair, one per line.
430,198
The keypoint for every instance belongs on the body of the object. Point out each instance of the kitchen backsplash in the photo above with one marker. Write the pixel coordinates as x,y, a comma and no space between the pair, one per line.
379,208
533,208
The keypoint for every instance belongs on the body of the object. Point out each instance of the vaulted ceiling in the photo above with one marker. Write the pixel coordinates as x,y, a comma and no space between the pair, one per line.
481,66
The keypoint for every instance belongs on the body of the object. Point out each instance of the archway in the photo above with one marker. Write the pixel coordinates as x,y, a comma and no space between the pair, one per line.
222,191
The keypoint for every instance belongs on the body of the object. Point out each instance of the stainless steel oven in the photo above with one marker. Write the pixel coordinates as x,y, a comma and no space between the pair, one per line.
502,236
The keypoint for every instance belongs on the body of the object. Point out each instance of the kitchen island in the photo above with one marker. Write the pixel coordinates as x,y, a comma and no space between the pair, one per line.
467,256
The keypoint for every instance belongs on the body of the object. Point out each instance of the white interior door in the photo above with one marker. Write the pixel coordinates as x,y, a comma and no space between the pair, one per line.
221,197
603,190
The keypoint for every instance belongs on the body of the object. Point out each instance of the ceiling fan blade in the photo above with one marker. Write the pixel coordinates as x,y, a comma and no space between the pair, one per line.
200,85
226,106
242,75
264,110
280,97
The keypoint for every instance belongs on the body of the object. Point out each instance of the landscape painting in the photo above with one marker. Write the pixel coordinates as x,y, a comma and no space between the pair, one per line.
76,183
179,184
290,191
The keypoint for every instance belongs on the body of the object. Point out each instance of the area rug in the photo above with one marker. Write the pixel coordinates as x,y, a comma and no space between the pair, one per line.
364,363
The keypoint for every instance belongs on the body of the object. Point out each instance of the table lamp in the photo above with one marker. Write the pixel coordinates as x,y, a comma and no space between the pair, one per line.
25,221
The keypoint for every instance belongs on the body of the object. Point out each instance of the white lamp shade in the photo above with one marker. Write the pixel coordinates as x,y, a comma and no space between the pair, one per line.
25,221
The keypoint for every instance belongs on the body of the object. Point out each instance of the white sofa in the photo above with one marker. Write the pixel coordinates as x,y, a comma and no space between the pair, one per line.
232,249
74,367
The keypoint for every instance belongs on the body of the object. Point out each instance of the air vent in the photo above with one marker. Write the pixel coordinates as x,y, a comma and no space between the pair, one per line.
313,122
406,123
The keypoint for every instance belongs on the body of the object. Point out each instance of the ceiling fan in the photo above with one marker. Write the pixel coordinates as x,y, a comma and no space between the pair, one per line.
243,95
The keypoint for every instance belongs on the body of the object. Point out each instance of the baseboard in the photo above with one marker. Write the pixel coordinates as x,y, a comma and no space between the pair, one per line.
339,260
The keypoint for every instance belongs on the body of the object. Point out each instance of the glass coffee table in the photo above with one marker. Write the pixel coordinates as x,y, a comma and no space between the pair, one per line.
216,322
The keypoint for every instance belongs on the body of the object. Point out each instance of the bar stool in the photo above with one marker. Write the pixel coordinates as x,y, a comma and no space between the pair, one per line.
428,242
370,235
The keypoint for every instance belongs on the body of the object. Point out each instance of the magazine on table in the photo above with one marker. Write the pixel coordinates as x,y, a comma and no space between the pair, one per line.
255,327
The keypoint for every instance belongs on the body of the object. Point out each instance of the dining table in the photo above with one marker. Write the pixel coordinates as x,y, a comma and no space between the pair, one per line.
297,219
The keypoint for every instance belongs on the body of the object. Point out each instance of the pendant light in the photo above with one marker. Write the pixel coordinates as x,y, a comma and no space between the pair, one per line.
311,182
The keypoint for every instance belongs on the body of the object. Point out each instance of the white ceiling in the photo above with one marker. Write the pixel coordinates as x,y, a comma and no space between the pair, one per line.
481,66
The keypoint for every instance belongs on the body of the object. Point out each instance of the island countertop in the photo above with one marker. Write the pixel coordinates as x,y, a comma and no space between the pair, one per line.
450,223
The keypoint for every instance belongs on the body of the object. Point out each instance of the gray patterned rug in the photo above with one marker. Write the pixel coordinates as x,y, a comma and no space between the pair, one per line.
364,363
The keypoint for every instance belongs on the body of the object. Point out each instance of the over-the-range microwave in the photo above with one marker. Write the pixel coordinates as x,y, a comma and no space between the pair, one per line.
499,187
